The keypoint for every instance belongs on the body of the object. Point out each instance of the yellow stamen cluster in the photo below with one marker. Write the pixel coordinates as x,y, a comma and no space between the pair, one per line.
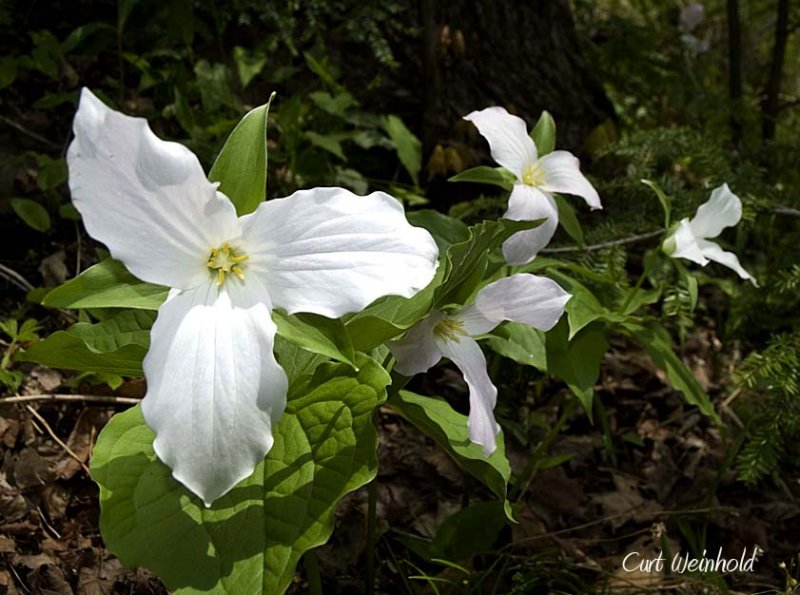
533,175
225,260
450,330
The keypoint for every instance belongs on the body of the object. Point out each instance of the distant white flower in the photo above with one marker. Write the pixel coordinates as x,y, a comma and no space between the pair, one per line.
536,301
214,389
531,198
692,16
690,239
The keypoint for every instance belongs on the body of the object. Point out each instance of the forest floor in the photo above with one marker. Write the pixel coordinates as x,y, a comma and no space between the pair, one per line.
656,478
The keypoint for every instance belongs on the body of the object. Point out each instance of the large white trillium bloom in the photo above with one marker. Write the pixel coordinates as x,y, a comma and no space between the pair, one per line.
690,239
537,178
536,301
214,388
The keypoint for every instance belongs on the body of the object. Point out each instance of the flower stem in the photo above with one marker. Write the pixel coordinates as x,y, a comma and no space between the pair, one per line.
311,563
372,528
638,285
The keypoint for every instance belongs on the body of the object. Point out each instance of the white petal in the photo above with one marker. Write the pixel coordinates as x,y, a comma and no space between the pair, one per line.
686,244
418,352
330,252
536,301
723,209
214,389
468,357
527,203
713,252
508,138
146,199
562,173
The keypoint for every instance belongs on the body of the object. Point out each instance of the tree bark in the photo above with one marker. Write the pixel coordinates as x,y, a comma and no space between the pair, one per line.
735,70
770,104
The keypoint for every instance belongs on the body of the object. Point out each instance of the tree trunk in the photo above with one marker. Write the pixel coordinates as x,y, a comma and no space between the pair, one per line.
735,70
770,106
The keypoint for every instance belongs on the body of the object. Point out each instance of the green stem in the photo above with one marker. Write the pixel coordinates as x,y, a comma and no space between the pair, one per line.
638,285
311,563
372,529
533,466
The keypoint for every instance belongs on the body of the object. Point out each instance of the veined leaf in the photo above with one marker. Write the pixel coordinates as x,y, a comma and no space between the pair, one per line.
483,174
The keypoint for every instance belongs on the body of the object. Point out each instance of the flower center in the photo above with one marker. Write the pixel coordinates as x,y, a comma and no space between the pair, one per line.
226,260
533,175
450,330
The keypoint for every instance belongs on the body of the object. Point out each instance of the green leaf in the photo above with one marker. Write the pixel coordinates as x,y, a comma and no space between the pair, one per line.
466,262
317,334
51,172
408,146
32,213
444,229
577,361
435,417
470,531
666,205
241,167
107,284
520,343
250,540
483,174
568,219
544,134
248,65
658,343
583,308
329,142
116,345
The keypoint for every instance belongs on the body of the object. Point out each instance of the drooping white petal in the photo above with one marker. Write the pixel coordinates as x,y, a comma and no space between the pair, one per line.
146,199
508,138
418,352
214,389
723,209
713,252
562,173
536,301
468,357
686,244
329,251
527,203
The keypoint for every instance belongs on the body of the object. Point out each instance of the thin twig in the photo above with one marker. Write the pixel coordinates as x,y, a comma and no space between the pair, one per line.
57,440
786,211
15,278
622,241
81,398
29,133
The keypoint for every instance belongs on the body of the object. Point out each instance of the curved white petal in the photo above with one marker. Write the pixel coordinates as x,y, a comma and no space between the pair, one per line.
146,199
418,352
562,173
468,357
214,389
713,252
723,209
527,203
329,251
686,244
536,301
508,138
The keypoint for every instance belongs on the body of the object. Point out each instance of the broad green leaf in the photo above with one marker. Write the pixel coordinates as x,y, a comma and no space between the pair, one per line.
483,174
470,531
329,142
250,540
241,167
568,219
390,316
409,147
658,343
583,308
577,361
445,230
317,334
116,345
544,134
666,205
214,84
520,343
32,213
107,284
466,262
248,65
435,417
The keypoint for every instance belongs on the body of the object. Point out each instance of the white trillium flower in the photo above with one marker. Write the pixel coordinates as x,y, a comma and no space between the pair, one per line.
536,301
214,388
690,239
537,178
